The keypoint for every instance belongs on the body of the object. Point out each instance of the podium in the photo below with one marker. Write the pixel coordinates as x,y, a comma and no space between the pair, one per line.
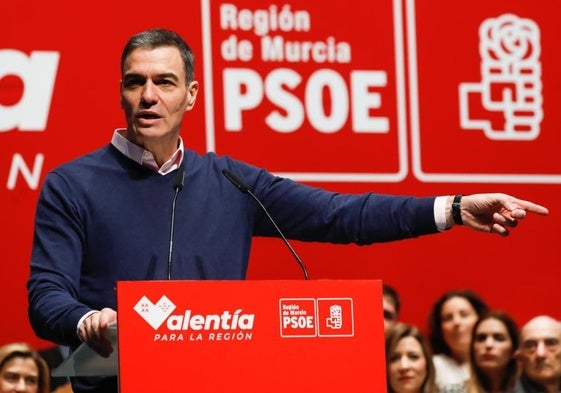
251,336
243,336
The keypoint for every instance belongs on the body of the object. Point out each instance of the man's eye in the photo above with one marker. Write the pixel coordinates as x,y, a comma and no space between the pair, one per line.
529,345
389,316
132,83
551,343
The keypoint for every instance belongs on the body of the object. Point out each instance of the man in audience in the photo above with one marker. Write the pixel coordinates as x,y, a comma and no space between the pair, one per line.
391,304
539,356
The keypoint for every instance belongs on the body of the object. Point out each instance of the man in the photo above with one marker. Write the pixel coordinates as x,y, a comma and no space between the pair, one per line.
391,304
105,216
539,356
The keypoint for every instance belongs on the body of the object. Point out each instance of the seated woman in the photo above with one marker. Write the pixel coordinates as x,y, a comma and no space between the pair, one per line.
22,369
493,366
409,367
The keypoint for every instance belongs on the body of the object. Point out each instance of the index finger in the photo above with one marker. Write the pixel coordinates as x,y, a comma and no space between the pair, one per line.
528,206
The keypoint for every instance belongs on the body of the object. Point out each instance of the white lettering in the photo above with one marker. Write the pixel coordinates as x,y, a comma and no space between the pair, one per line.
263,21
327,99
333,83
243,90
169,337
19,166
298,322
328,51
364,101
224,321
38,73
232,50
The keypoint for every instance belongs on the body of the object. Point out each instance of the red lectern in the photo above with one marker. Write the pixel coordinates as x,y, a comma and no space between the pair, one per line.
251,336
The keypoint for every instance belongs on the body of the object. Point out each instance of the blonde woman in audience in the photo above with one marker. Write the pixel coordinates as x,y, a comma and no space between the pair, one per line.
493,364
409,368
22,370
451,324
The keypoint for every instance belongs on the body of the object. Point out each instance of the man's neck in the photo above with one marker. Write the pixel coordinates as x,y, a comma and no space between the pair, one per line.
548,387
162,148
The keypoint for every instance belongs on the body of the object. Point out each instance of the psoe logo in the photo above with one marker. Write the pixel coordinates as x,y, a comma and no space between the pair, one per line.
189,326
510,85
38,73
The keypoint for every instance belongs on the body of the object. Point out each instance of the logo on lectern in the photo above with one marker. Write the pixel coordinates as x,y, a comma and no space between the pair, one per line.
189,326
154,314
321,317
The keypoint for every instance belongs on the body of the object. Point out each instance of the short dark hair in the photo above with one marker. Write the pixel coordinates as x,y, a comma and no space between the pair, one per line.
435,318
156,38
390,291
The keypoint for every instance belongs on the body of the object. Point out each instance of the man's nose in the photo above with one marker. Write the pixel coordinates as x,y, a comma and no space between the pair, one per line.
541,350
149,95
20,385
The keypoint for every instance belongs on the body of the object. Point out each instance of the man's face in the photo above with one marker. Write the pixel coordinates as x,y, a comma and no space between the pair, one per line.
390,314
540,350
154,95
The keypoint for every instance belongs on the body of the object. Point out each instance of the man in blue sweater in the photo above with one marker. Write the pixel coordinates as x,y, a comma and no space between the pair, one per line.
105,216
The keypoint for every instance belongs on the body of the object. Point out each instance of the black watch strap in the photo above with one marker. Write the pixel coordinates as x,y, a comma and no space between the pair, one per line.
456,211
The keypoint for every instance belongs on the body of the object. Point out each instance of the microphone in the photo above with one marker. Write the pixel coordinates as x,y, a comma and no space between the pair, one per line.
243,187
178,186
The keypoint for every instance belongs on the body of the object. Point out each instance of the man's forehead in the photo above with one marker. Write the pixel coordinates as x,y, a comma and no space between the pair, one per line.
388,302
163,56
541,327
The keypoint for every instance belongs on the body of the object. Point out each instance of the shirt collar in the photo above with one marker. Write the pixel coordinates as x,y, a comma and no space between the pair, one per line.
143,156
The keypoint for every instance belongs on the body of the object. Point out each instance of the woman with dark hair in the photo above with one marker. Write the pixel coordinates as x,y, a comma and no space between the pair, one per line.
22,369
451,324
409,368
493,366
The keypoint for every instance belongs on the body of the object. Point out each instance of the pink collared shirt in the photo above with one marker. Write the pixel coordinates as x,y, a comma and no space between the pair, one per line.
143,156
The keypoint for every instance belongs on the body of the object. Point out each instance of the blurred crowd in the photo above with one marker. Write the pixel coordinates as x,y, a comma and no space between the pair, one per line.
470,348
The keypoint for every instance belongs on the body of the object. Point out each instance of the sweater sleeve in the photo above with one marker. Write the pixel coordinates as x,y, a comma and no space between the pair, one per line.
54,309
313,214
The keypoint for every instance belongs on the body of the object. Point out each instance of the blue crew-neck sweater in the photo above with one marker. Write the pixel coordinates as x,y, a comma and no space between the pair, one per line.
103,218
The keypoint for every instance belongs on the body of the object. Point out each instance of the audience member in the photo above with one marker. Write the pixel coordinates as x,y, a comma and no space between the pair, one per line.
22,369
493,366
539,356
391,305
409,368
451,324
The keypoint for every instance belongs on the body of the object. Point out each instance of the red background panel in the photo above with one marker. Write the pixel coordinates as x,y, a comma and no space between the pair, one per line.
519,273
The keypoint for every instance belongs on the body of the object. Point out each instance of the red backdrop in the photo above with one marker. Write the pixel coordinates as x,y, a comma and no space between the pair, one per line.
354,99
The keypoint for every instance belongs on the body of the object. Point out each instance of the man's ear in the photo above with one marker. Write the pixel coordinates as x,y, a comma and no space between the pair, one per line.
192,91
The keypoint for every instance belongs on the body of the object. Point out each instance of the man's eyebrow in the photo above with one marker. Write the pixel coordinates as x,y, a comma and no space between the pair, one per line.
163,75
168,75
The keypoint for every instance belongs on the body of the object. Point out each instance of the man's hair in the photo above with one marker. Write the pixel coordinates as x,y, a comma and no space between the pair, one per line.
392,293
156,38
